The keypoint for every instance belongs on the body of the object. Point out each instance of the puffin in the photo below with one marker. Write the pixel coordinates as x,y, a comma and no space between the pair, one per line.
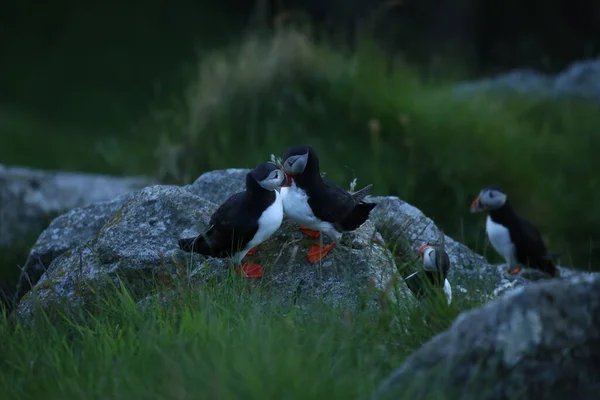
318,204
436,265
515,238
243,221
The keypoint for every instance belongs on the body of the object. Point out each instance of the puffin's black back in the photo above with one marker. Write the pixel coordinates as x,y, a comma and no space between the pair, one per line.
530,248
235,222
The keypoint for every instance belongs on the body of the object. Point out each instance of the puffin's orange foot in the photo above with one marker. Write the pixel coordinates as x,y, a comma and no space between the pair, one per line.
317,252
515,271
252,251
250,270
310,232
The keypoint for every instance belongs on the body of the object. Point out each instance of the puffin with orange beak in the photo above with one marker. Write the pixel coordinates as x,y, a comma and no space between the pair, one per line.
513,237
244,221
318,204
436,265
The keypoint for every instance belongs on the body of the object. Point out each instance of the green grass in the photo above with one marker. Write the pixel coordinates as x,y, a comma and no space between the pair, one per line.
222,341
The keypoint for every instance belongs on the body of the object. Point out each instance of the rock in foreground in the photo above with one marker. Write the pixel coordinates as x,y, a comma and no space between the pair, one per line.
539,341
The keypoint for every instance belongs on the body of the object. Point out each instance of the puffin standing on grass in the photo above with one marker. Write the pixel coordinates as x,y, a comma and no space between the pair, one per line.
436,265
317,204
512,236
244,220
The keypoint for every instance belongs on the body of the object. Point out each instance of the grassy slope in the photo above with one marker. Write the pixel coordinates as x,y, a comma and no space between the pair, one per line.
213,342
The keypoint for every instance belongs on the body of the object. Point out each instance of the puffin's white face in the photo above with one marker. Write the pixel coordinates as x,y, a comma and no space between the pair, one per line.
428,255
489,199
273,180
295,164
268,175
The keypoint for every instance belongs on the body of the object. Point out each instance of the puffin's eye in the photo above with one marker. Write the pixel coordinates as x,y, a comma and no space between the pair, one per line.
491,195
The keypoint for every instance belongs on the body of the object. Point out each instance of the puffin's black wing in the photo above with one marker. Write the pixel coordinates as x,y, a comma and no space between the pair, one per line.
233,226
531,250
532,238
444,263
330,203
226,211
229,229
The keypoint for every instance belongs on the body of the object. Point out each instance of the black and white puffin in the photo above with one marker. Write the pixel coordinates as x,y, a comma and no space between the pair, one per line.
513,237
436,265
244,220
317,204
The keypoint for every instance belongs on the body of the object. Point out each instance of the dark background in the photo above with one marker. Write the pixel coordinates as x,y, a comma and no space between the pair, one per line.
54,54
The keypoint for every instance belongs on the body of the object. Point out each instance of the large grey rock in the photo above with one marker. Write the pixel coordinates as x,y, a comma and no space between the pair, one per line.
539,341
354,274
217,186
139,243
29,198
65,232
82,224
580,80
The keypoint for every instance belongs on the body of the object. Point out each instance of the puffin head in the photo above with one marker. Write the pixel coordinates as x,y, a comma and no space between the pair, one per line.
489,199
432,255
296,159
428,254
268,175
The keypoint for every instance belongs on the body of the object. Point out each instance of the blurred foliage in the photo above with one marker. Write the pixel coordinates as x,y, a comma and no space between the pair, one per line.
486,36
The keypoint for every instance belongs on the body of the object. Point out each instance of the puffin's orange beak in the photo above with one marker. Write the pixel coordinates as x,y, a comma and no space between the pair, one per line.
475,205
421,249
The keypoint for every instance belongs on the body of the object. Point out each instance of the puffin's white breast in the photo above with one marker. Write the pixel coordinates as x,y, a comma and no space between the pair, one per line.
448,290
269,221
500,239
295,206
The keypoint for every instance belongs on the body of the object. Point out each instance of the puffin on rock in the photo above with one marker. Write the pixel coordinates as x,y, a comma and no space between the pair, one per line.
317,204
244,220
436,265
513,237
